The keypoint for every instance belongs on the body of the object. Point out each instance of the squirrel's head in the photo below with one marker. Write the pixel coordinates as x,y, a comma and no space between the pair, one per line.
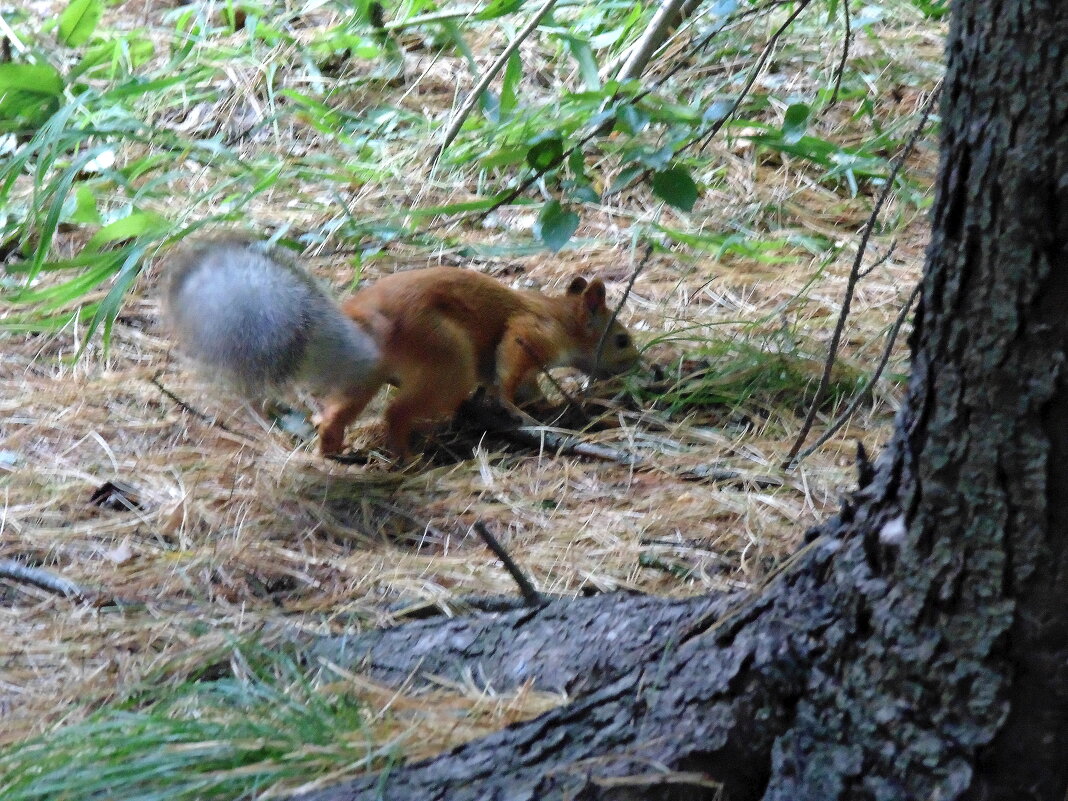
608,348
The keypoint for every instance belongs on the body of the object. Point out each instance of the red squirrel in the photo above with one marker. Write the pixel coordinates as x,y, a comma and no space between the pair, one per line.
255,320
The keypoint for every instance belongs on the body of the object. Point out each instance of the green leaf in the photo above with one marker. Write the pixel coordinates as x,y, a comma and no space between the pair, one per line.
85,210
498,8
776,250
655,159
37,323
139,87
457,208
109,307
583,53
676,187
624,179
585,193
453,33
594,122
505,157
78,21
795,122
555,225
577,163
935,9
546,151
632,120
579,187
136,224
114,57
58,189
717,111
29,94
55,296
513,71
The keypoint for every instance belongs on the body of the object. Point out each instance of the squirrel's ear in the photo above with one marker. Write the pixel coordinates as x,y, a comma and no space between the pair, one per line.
595,295
578,283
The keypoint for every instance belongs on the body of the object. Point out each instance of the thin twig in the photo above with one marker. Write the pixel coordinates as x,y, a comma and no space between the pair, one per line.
508,421
665,17
530,433
845,52
484,81
703,42
549,376
45,580
619,306
532,597
765,54
854,276
426,19
186,407
538,436
833,428
880,260
9,36
596,130
703,140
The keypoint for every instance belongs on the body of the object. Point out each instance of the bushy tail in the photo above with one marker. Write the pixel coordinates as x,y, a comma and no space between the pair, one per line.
256,321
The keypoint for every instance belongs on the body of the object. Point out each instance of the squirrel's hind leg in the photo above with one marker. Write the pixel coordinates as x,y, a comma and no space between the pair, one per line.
438,372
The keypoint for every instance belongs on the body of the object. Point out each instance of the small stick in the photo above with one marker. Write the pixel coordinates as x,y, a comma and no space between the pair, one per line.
881,259
765,54
523,429
531,432
596,131
45,580
626,294
537,436
667,15
494,68
703,140
854,277
194,411
833,428
542,369
532,597
9,36
423,19
845,52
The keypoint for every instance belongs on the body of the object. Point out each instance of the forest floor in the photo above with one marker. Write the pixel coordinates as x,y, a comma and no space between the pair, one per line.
214,531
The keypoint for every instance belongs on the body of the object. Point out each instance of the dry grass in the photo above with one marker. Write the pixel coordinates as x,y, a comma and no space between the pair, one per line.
244,534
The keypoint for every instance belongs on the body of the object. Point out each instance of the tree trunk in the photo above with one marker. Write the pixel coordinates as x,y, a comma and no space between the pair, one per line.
917,646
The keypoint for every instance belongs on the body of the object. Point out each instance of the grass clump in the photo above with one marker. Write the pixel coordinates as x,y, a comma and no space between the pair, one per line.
747,374
264,725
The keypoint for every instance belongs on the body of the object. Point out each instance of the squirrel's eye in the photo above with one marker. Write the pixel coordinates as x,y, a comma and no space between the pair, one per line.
622,341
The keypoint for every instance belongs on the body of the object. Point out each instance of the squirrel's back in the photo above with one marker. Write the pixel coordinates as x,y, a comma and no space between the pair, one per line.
256,321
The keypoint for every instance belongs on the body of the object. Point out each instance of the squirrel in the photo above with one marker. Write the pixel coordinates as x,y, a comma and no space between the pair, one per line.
257,321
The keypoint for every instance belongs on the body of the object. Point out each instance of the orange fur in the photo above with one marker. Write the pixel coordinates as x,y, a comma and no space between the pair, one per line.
442,331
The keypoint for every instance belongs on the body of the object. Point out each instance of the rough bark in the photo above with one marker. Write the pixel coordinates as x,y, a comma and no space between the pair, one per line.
918,647
707,702
568,646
